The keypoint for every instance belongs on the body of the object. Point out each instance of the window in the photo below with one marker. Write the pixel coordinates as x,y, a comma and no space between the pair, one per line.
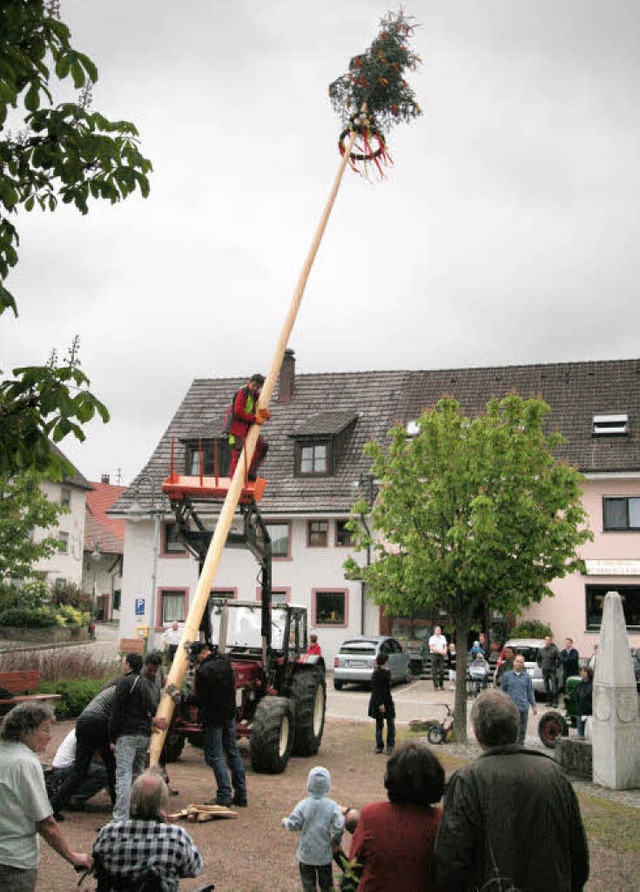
317,533
172,544
60,584
192,457
173,605
610,426
228,593
314,459
344,536
330,608
65,497
621,513
63,541
279,534
630,595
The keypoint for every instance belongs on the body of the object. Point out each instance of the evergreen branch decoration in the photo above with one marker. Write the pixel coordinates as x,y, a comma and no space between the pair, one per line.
374,95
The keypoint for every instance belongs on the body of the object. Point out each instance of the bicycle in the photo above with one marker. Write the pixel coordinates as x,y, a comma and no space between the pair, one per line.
443,731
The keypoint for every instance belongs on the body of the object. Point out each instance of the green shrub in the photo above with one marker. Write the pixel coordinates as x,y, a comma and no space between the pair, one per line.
68,615
531,628
75,695
23,617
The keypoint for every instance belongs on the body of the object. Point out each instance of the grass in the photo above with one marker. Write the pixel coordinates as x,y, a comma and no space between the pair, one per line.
611,825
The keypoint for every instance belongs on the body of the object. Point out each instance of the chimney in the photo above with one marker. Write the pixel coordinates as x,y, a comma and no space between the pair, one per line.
104,478
286,381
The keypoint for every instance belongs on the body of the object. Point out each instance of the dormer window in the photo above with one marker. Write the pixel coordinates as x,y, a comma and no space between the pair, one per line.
193,452
313,459
610,426
319,442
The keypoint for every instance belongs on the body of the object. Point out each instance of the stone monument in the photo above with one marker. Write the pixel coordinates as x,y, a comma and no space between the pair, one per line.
616,724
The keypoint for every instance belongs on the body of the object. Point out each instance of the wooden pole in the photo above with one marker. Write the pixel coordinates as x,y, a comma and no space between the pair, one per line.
218,541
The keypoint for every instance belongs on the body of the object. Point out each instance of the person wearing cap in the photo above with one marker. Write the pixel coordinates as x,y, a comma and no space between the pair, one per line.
243,412
215,696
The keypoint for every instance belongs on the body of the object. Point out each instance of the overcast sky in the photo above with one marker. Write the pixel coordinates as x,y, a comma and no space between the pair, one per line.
506,232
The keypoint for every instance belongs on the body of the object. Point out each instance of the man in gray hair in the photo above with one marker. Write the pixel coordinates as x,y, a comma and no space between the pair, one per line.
144,846
533,838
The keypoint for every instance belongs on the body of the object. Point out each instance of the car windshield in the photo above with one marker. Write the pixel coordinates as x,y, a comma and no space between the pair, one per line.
530,654
243,628
363,648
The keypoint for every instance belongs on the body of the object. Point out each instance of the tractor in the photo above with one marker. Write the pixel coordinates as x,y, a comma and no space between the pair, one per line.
280,689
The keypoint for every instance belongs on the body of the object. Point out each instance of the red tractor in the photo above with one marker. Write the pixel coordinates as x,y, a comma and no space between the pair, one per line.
280,689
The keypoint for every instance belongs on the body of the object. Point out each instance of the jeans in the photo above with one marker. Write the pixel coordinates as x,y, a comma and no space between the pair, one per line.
131,755
581,724
94,781
391,732
308,873
219,738
92,733
14,879
550,677
524,718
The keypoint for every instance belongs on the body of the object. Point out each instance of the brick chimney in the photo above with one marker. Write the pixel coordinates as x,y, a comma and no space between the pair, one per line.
104,478
286,381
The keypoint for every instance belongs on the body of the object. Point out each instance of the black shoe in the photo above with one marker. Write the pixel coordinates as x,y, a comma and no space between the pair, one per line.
58,816
389,750
378,750
225,802
239,801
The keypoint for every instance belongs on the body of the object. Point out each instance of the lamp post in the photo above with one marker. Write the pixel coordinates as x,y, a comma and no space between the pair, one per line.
366,485
95,560
147,501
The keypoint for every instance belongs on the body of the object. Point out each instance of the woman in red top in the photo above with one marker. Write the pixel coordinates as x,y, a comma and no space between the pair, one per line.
394,840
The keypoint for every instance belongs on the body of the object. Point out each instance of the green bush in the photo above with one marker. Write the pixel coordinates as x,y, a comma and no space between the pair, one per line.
531,628
75,695
24,617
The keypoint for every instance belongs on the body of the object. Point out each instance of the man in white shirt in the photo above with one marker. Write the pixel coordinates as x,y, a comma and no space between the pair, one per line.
62,766
438,651
171,639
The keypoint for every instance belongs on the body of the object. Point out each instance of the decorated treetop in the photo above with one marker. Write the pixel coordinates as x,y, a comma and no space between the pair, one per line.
375,82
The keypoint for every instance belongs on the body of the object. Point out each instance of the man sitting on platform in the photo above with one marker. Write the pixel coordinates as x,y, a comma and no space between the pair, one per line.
242,414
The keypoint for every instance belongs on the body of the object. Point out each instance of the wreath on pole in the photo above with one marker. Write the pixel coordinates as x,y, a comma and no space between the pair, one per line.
374,94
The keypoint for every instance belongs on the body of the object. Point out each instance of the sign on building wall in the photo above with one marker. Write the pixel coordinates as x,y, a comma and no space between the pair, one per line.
139,606
613,568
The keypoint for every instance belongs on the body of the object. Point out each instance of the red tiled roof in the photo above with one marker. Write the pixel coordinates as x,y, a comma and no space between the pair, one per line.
99,527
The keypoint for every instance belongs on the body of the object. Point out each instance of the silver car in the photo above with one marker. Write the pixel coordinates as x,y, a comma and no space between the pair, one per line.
529,648
356,658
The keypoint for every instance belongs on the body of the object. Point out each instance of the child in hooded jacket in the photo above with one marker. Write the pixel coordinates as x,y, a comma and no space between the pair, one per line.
321,823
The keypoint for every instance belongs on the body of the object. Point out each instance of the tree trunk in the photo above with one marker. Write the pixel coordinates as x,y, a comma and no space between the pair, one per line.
461,621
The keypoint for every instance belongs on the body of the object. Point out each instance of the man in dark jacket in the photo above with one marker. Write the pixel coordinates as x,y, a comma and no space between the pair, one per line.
549,661
130,725
381,704
242,414
215,697
570,661
480,840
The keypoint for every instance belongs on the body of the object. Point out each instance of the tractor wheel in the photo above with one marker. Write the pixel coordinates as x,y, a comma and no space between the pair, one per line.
337,685
173,746
435,735
551,726
309,694
272,735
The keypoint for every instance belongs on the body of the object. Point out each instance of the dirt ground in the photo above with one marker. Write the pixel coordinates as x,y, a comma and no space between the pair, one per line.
253,853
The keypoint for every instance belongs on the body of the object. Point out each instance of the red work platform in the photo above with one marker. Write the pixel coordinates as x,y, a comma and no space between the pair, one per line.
177,486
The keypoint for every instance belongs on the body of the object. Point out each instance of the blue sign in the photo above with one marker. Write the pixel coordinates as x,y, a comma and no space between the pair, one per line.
139,606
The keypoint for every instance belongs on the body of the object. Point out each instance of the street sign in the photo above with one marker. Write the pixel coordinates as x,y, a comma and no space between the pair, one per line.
139,606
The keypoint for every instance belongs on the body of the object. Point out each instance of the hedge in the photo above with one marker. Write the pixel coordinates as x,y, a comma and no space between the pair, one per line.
75,695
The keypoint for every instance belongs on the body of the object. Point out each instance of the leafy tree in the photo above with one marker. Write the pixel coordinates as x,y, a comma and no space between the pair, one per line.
23,509
64,152
471,514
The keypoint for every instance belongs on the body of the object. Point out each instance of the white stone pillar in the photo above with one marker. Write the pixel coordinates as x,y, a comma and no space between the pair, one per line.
616,725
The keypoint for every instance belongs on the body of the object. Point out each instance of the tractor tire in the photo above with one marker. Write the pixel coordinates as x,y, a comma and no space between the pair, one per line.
309,694
272,735
435,735
551,726
337,685
173,746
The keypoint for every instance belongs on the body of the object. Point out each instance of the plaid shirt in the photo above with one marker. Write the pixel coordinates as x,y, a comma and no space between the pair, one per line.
129,848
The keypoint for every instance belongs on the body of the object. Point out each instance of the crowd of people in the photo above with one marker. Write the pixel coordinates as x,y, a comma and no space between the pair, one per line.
468,841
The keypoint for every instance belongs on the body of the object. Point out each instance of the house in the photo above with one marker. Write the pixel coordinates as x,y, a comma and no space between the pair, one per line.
103,549
316,470
65,567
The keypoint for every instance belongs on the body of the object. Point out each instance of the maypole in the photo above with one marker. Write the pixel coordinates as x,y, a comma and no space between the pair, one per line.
371,97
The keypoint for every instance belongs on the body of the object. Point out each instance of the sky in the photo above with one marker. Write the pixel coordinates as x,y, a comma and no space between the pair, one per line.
505,233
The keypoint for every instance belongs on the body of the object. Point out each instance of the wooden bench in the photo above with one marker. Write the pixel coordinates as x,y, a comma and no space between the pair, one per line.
21,684
131,646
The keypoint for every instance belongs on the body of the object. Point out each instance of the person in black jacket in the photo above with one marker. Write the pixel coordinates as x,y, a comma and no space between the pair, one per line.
215,697
381,704
584,699
130,724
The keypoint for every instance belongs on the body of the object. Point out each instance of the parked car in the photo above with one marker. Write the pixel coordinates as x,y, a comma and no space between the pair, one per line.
355,660
529,648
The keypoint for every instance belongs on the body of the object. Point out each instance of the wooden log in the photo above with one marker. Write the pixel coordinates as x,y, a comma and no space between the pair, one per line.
218,541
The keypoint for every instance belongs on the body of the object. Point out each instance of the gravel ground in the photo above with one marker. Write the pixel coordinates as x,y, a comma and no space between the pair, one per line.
253,853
